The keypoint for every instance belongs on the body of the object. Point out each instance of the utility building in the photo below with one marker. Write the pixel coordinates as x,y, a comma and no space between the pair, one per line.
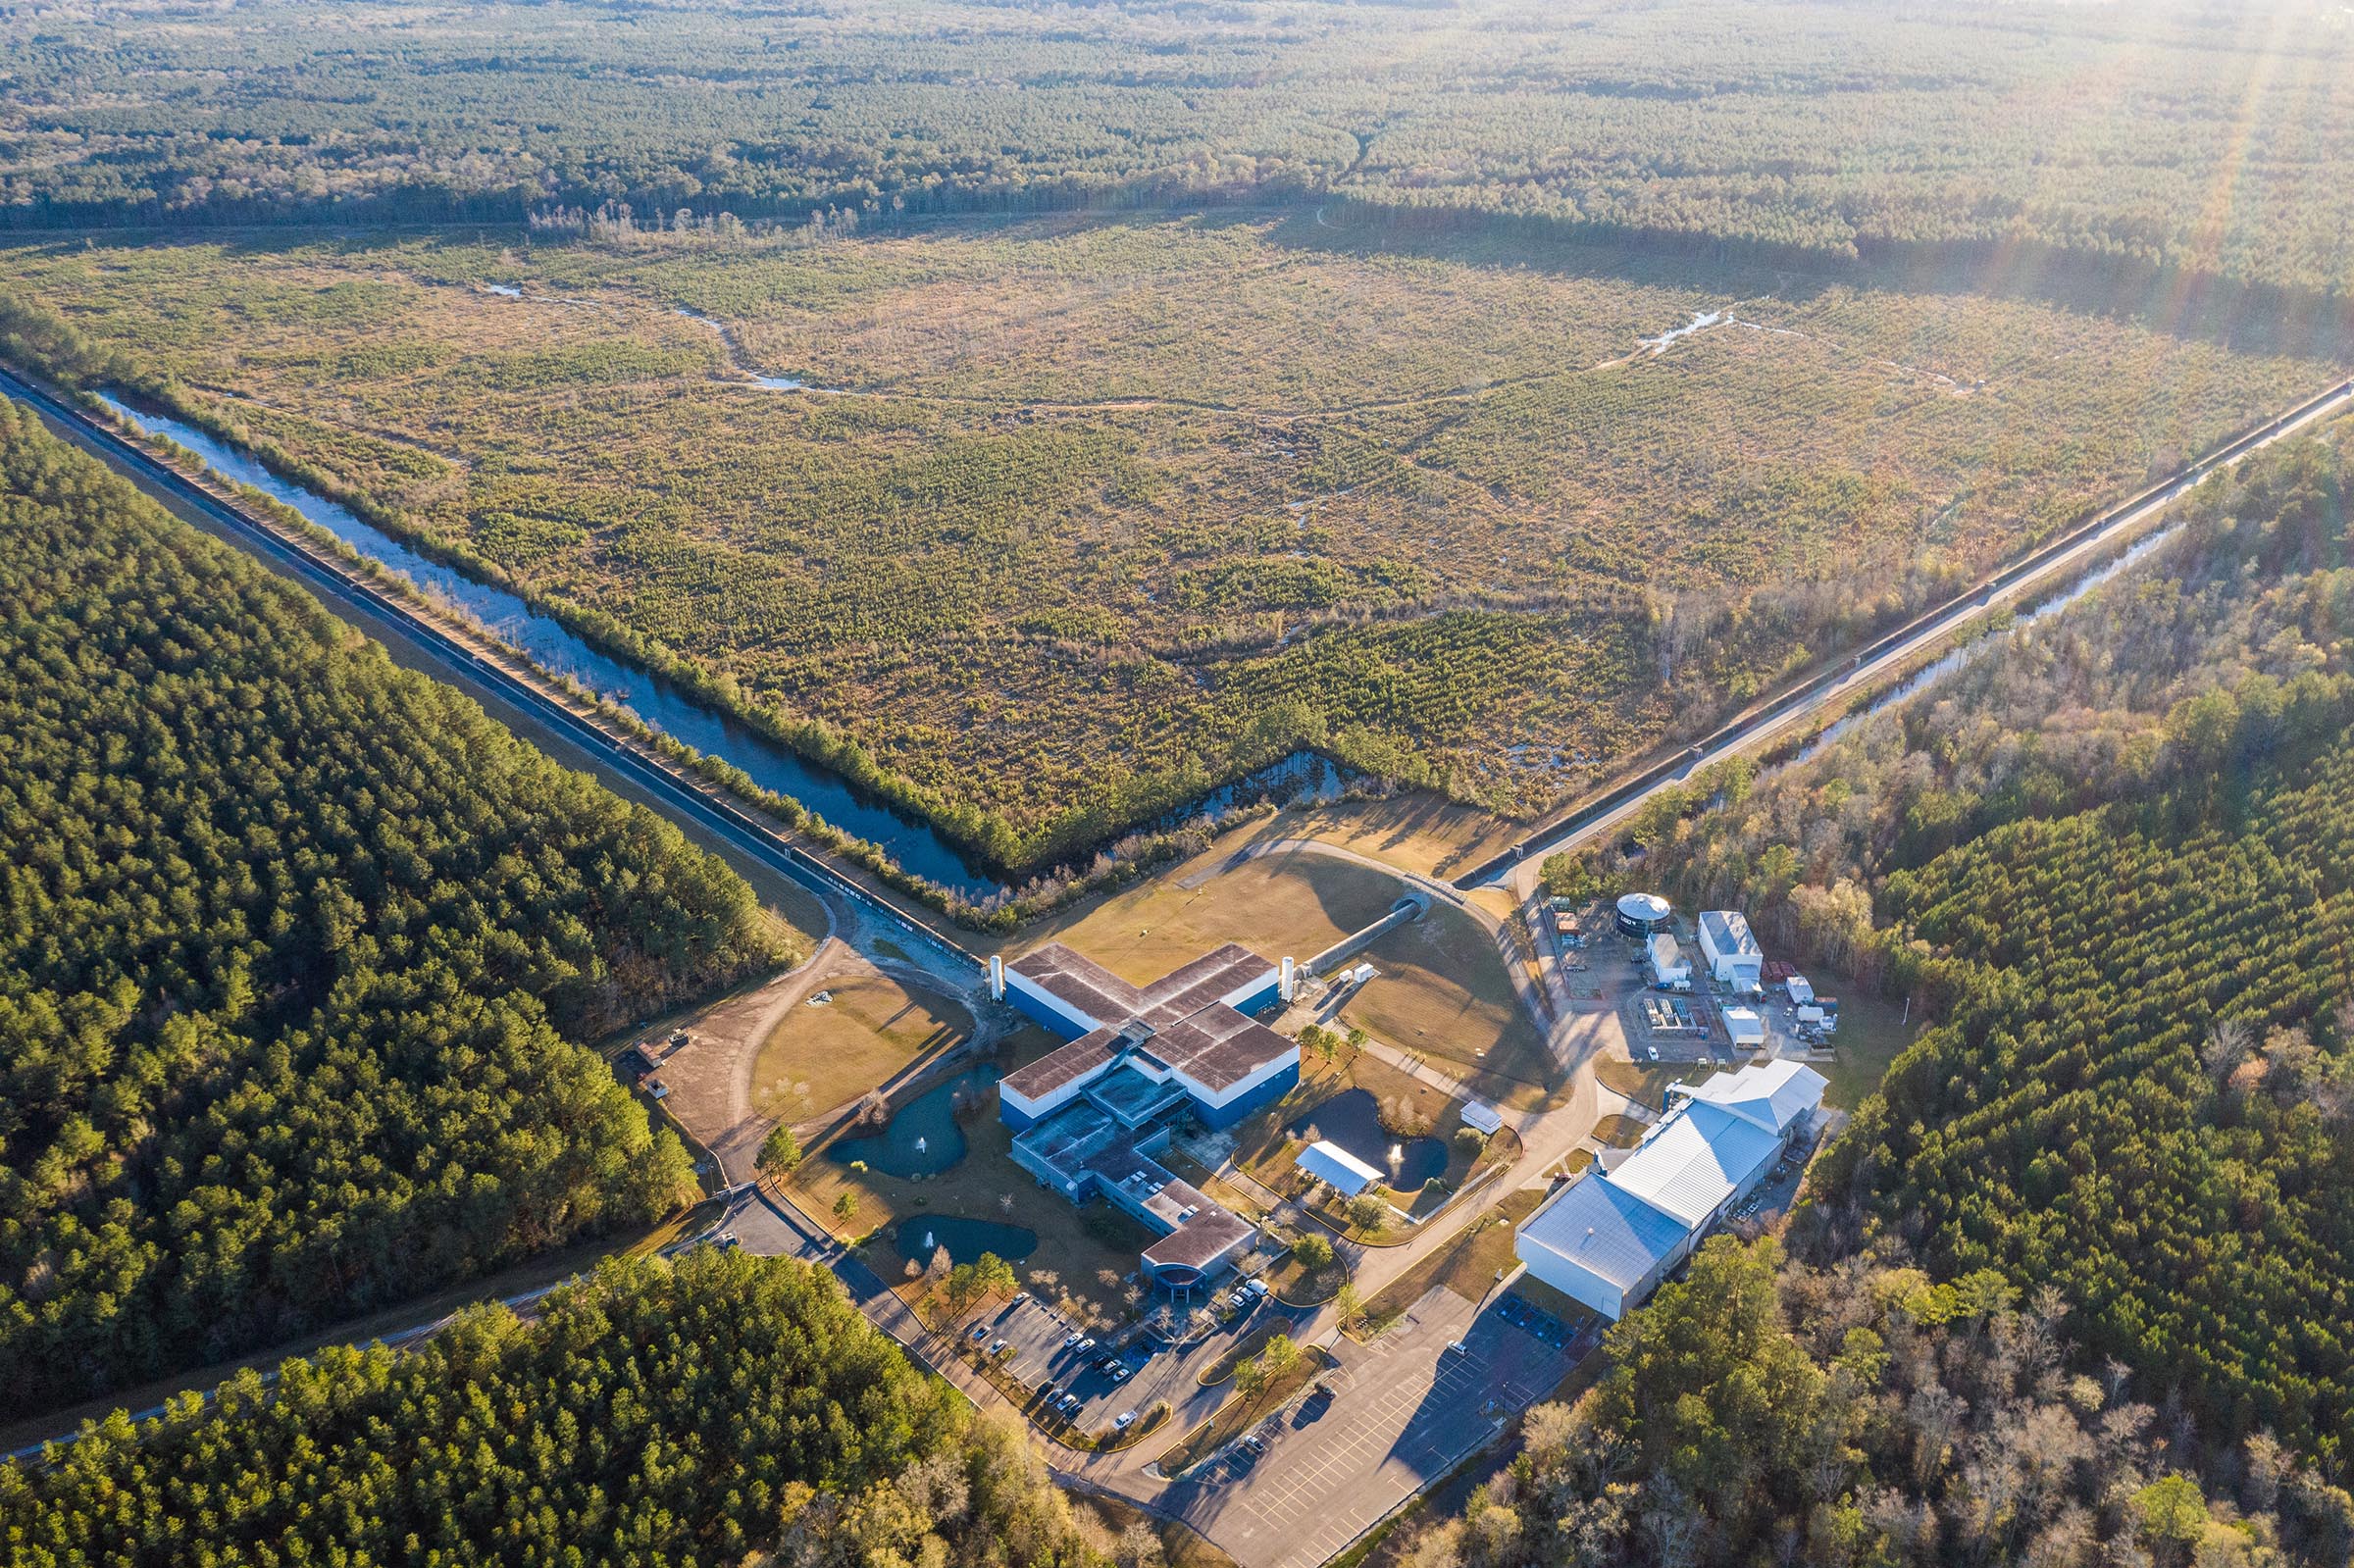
1669,968
1730,950
1609,1238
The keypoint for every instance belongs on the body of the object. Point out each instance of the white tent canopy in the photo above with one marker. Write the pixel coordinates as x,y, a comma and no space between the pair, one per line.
1337,1169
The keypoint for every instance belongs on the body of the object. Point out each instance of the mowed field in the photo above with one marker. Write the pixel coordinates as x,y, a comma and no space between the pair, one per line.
822,1054
1442,990
1069,518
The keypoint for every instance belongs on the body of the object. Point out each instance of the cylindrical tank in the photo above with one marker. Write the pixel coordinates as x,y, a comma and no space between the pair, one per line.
1641,914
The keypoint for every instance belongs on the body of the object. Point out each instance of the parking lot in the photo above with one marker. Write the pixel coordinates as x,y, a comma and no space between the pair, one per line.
1037,1354
1409,1406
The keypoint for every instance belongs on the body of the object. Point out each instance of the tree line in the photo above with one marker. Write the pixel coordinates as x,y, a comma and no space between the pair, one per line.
295,950
2110,858
672,1414
1763,1410
1787,133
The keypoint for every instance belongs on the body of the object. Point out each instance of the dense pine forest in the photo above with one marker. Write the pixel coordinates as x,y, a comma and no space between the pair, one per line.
655,1414
2110,856
296,948
2195,137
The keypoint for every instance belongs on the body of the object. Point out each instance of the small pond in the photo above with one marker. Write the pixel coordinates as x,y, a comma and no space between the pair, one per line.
965,1239
923,1139
1353,1120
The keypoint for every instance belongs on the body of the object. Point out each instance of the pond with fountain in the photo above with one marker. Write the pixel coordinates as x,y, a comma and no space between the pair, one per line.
923,1139
1353,1120
920,1235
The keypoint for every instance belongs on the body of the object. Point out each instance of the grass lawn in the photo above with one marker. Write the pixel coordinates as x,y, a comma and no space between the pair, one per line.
1620,1132
1083,1258
1294,1284
1442,991
1871,1033
1647,1084
1287,901
1468,1265
822,1054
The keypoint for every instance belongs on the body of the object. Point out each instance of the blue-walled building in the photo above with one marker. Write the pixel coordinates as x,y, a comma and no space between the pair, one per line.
1091,1116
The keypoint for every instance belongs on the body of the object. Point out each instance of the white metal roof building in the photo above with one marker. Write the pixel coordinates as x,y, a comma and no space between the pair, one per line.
1730,949
1609,1239
1745,1027
1336,1168
1669,965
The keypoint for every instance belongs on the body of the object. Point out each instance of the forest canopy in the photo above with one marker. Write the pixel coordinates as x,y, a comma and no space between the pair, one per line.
2110,858
295,950
658,1413
2168,135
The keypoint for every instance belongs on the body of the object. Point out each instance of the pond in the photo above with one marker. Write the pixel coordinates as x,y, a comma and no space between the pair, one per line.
557,648
923,1139
1353,1120
965,1239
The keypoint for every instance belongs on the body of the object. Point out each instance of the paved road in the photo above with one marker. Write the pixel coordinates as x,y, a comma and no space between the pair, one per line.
1893,654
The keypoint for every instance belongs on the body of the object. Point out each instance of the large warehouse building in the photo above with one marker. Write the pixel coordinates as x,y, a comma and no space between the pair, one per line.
1609,1238
1730,950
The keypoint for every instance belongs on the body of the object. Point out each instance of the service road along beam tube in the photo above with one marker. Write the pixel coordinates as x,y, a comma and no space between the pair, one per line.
333,580
1894,651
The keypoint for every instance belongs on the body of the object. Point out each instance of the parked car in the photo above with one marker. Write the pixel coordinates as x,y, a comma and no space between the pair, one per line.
1046,1392
1019,1297
997,1349
1119,1372
1084,1346
1254,1289
1070,1341
1125,1420
1068,1403
979,1334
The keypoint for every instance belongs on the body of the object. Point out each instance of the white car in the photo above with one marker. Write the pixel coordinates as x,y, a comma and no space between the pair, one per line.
1125,1420
1070,1341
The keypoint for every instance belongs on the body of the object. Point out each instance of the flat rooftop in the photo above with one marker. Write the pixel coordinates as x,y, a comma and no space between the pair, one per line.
1186,1028
1199,1241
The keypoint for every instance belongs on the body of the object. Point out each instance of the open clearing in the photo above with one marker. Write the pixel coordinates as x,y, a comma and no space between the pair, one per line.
1126,503
821,1054
1287,901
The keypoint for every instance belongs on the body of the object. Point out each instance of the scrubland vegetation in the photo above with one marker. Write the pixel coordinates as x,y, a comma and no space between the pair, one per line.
296,948
2203,138
1100,512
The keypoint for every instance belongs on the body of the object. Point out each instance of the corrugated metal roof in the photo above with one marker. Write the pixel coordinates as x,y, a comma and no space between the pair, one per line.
1727,931
1692,1161
1327,1161
1605,1230
1772,1095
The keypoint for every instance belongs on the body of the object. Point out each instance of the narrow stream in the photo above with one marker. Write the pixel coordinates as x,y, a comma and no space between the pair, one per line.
557,648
